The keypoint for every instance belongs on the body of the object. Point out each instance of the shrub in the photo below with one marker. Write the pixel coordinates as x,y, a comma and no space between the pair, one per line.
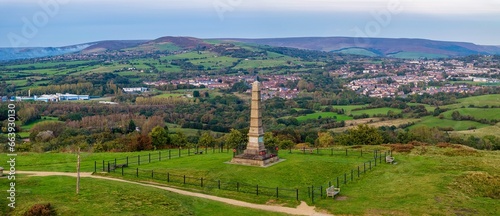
41,210
400,147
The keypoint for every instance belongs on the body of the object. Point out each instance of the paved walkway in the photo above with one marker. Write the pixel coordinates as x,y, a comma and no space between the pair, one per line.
302,209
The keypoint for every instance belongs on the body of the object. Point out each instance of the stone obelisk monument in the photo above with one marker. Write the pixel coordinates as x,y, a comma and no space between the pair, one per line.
255,153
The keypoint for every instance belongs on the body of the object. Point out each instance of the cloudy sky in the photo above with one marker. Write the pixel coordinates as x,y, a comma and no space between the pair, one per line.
66,22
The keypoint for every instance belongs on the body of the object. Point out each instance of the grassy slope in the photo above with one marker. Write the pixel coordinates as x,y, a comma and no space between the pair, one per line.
429,181
323,115
101,197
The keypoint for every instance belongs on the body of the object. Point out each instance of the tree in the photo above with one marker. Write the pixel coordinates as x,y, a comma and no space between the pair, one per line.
361,135
325,139
235,138
206,140
179,139
159,137
196,94
131,126
456,116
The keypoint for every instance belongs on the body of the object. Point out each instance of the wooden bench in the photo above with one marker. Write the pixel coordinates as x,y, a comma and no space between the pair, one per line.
200,152
389,159
332,191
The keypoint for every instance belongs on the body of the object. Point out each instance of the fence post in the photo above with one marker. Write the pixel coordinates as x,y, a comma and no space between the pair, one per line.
184,179
137,172
290,150
122,170
95,166
257,190
352,175
297,194
380,159
277,193
312,193
138,160
149,156
115,163
168,177
127,160
364,167
103,165
338,185
169,155
218,184
358,171
329,183
108,166
321,191
309,192
159,156
201,181
238,186
345,178
375,161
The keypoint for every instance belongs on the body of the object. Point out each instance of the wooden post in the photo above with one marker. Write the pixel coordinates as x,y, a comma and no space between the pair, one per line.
159,155
169,155
122,170
78,172
257,190
218,184
168,177
297,194
95,166
149,160
201,181
184,179
138,160
127,160
277,192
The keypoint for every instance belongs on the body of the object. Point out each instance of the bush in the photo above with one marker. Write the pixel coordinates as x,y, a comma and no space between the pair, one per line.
41,210
400,147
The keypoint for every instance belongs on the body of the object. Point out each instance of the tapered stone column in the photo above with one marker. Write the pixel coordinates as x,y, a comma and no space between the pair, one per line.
255,153
256,133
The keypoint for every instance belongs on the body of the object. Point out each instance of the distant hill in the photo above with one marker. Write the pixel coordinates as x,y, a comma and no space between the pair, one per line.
384,47
377,46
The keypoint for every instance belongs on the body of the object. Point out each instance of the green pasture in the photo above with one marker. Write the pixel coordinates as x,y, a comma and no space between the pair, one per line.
376,111
316,115
478,113
431,121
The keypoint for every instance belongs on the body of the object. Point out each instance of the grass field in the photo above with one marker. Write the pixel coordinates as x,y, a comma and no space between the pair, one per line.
431,121
377,111
415,55
477,113
324,115
357,51
427,181
28,127
102,197
490,100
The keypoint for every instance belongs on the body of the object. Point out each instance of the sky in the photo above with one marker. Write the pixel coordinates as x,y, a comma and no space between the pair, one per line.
31,23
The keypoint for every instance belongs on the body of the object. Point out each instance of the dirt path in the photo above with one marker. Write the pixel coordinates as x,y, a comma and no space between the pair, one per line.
302,209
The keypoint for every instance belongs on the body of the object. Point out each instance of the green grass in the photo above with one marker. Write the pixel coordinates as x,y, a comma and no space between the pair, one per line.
478,113
376,111
349,108
416,55
186,131
167,95
428,107
424,182
431,121
104,197
28,127
491,100
324,115
427,181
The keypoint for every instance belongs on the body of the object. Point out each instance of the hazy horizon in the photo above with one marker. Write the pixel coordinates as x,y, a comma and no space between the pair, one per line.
54,23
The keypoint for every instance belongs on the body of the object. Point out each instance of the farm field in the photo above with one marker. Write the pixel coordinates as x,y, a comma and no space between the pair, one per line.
477,113
324,115
377,111
431,121
490,100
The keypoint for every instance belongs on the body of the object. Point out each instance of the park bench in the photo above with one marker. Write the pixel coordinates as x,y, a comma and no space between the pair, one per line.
332,191
389,159
200,152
